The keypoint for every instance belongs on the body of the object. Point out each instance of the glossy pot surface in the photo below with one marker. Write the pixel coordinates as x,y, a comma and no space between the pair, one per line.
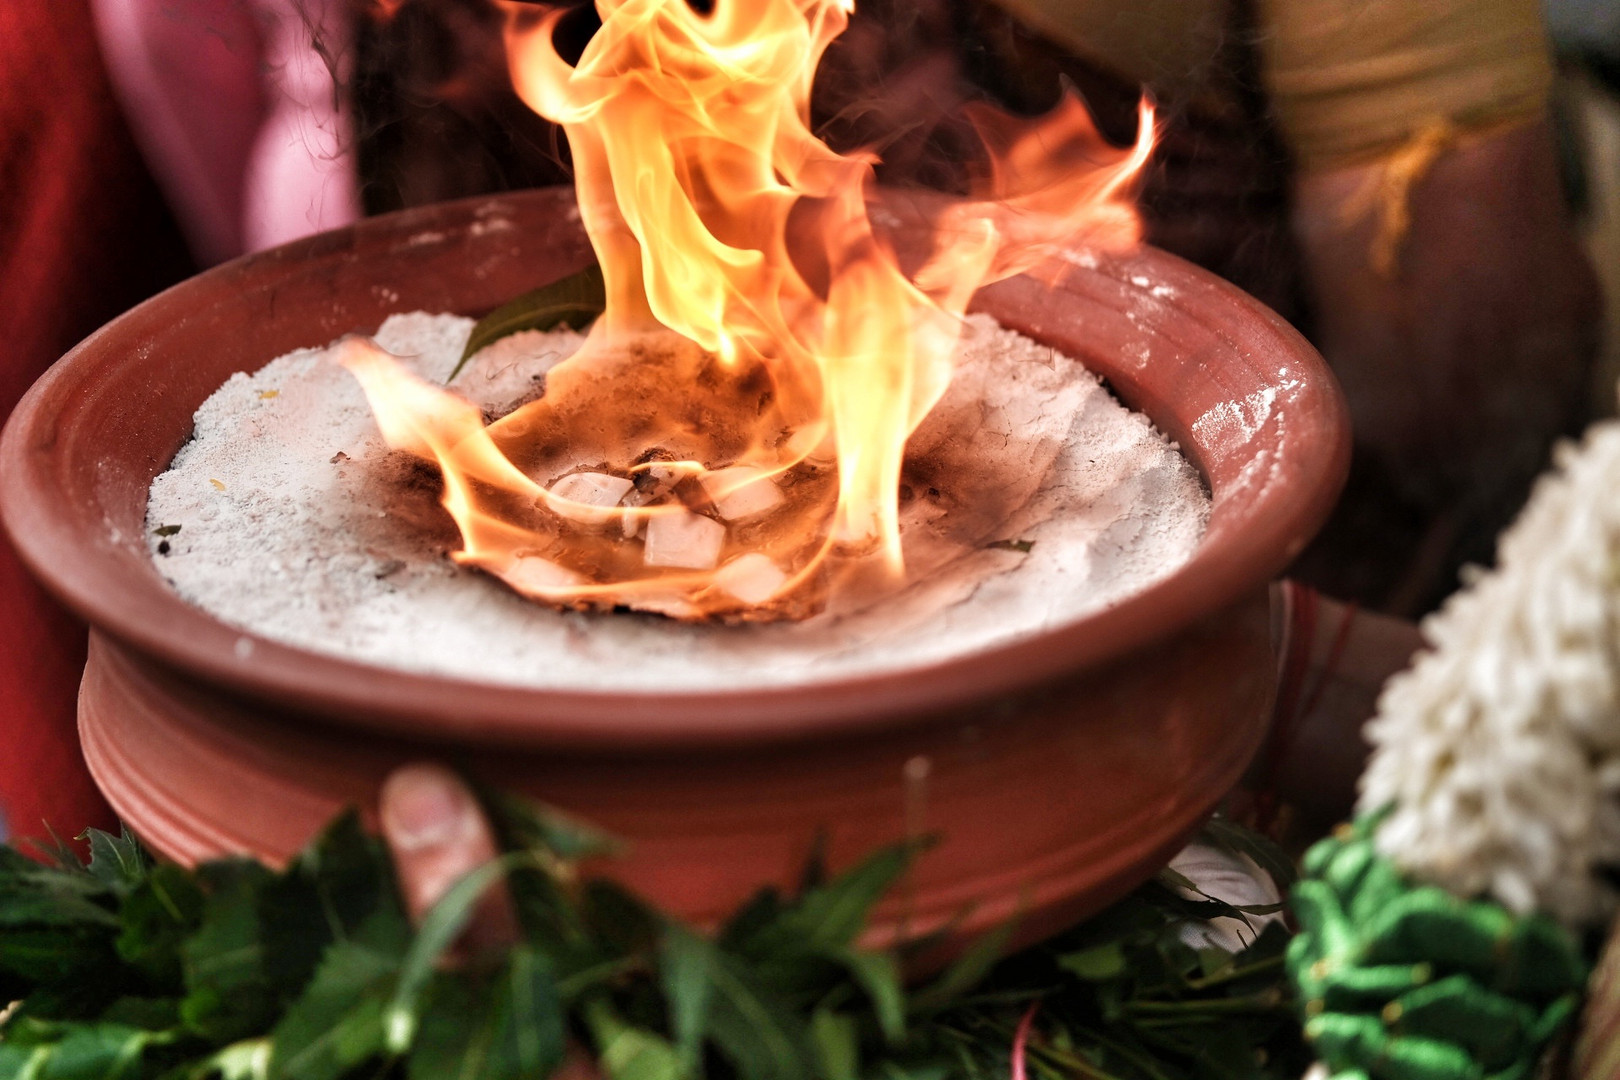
1058,770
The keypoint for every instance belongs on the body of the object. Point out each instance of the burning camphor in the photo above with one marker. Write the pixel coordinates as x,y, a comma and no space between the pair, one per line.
728,468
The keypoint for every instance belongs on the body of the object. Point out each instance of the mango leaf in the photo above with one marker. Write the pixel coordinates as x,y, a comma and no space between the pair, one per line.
837,1044
1096,964
245,1060
751,920
834,914
619,919
630,1053
574,301
686,971
535,1029
878,975
764,1036
966,972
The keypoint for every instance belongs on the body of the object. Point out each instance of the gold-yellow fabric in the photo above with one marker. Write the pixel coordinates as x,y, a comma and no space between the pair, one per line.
1353,80
1170,45
1350,80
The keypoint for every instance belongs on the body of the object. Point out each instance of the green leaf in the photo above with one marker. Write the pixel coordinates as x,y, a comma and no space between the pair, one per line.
687,964
878,975
762,1035
28,876
554,844
85,1052
58,853
630,1053
13,861
41,955
22,1062
834,914
573,301
525,825
619,919
837,1046
536,1025
814,874
245,1060
41,907
350,872
440,929
116,861
36,896
339,1022
968,970
1240,841
157,917
509,1027
323,957
151,1013
1096,964
1175,879
228,996
751,920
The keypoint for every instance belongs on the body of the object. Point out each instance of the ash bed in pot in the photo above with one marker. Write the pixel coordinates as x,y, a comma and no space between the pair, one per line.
1058,769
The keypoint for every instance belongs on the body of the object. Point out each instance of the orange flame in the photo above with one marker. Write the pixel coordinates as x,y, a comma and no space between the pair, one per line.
717,478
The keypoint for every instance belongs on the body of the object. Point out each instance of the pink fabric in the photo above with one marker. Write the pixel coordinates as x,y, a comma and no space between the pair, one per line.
237,114
84,234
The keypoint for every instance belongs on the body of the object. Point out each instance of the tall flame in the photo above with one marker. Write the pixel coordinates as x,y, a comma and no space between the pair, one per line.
717,214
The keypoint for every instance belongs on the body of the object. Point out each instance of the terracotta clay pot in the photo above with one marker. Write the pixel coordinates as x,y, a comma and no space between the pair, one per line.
1058,771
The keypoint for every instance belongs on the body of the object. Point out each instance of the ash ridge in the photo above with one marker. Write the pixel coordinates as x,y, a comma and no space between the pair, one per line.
298,523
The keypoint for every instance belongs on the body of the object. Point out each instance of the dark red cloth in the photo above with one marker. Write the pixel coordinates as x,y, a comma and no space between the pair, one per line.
84,235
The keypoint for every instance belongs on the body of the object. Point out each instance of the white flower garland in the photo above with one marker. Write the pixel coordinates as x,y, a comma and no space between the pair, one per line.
1498,752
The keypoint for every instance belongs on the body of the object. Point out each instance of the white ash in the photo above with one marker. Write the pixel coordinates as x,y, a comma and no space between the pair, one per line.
291,527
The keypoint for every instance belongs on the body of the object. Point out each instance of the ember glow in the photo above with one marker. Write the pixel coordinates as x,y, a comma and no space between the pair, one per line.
729,442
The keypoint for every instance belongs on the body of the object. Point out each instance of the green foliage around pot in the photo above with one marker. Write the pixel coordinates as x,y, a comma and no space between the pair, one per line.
1399,981
131,969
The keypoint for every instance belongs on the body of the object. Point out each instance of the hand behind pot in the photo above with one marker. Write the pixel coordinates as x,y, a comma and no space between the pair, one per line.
437,834
1463,358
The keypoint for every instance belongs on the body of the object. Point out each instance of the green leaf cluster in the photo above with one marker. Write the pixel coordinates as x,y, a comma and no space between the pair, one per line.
1401,981
126,969
1132,995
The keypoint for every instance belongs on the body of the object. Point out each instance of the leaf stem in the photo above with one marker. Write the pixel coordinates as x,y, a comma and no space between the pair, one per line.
1233,974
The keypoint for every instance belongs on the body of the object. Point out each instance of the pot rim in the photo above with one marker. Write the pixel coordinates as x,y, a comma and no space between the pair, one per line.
85,571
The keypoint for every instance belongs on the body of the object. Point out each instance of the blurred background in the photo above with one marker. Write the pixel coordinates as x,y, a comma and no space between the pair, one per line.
1430,191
